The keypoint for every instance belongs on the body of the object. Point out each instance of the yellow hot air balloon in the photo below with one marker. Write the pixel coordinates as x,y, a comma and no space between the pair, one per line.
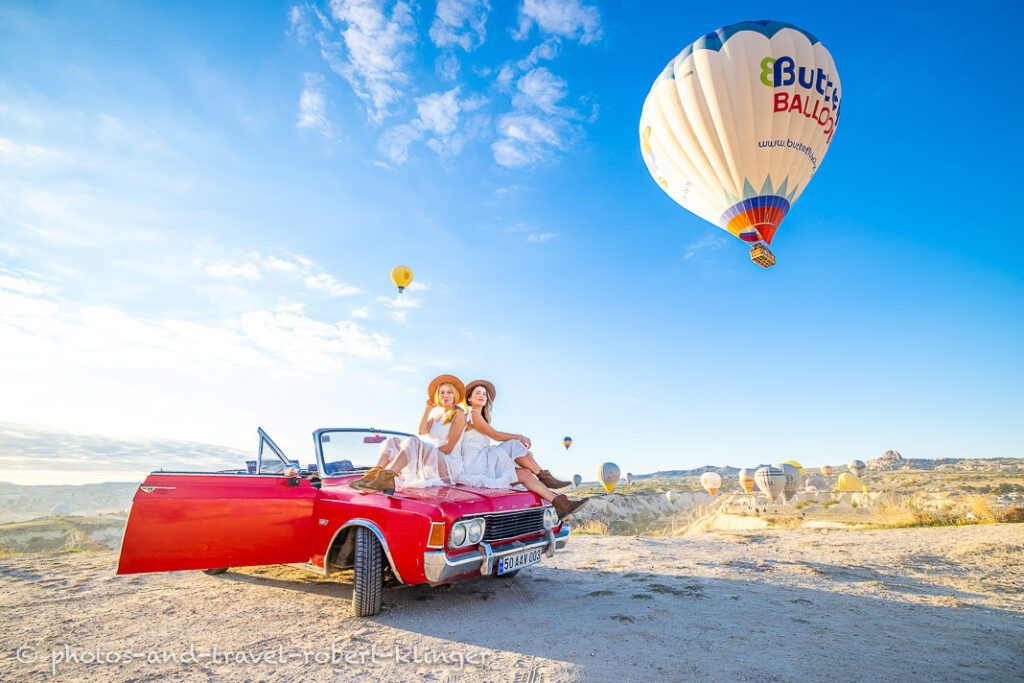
608,473
401,276
826,470
795,464
848,481
746,479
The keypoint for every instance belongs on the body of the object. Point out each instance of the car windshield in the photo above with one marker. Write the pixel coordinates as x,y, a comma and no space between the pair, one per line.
346,450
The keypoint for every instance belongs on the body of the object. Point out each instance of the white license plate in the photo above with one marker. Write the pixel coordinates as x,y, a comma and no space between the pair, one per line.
519,560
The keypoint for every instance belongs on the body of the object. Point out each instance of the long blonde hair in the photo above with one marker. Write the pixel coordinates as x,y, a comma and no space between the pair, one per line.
449,414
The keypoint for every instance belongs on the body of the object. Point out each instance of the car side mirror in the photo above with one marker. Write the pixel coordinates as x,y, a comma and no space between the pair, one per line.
293,481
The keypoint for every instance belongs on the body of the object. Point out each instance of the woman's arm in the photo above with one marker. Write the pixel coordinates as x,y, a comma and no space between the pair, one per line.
458,424
482,426
425,420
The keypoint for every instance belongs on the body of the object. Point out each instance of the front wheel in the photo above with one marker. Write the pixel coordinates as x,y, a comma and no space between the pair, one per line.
368,574
214,572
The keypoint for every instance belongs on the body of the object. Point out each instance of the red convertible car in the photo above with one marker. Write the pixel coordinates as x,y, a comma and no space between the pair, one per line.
275,512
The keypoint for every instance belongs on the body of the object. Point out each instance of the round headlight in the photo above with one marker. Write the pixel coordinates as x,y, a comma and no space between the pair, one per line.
476,531
550,518
458,535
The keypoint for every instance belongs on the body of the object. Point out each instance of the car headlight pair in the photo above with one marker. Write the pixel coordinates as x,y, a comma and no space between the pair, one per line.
550,518
466,532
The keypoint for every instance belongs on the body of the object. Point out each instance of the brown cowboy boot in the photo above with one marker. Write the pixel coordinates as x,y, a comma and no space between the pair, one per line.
549,480
565,506
382,480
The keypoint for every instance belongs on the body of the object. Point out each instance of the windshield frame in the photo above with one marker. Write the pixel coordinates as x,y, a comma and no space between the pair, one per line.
328,430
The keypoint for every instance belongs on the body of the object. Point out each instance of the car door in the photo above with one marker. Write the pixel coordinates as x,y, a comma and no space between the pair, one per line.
196,520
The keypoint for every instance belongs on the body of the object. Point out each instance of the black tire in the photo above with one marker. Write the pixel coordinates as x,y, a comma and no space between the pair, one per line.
368,574
214,572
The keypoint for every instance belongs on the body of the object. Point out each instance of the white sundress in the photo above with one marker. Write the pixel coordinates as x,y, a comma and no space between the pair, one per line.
487,465
427,465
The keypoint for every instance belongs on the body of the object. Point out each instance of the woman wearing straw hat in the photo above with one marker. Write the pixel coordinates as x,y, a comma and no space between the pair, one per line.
435,460
502,464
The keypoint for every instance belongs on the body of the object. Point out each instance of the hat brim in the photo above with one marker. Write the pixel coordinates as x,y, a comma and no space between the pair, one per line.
450,379
480,383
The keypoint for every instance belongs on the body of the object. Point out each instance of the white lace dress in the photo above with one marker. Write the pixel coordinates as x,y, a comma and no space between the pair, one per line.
427,465
487,465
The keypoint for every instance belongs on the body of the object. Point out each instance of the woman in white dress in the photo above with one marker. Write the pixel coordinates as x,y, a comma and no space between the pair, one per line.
503,464
436,459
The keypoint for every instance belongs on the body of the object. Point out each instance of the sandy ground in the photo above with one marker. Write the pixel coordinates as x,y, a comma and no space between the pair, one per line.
928,604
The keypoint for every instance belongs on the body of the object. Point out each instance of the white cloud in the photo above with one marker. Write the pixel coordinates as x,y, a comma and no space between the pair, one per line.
324,282
707,243
400,301
525,140
447,67
361,313
417,287
540,88
377,48
399,315
232,271
567,18
439,112
280,265
395,142
440,121
539,238
460,23
313,106
13,153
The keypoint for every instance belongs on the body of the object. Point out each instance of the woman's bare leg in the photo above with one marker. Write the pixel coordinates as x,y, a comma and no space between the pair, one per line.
527,462
530,481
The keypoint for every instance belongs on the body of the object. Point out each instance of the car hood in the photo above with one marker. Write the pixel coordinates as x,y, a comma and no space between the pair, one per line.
456,501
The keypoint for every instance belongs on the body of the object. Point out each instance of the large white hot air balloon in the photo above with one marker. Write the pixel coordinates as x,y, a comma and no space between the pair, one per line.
608,473
793,479
672,496
736,125
771,480
856,466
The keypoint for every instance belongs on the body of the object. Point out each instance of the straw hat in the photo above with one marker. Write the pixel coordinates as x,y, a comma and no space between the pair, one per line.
460,390
479,383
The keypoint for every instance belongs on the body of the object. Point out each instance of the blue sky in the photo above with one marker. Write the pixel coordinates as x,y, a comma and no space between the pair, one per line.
200,206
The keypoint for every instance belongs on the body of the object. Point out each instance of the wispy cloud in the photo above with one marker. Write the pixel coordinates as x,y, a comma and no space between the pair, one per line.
14,153
460,23
440,122
231,271
326,283
313,106
539,238
567,18
708,243
374,52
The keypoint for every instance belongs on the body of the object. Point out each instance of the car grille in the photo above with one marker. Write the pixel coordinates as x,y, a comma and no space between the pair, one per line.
513,524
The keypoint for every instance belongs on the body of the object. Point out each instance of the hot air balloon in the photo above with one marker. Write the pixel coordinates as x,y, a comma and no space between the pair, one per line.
629,478
746,479
793,480
856,466
826,470
711,481
567,441
849,481
672,496
608,474
401,276
795,464
771,480
577,480
737,124
817,483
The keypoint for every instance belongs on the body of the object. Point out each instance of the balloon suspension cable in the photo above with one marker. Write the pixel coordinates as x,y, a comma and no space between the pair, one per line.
401,289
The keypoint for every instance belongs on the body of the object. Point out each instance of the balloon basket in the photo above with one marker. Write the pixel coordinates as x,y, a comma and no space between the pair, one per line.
762,255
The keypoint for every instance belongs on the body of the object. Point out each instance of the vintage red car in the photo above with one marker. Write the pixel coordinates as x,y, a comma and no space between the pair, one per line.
274,512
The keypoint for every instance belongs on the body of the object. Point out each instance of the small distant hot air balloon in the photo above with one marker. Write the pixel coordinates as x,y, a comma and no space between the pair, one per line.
849,481
771,480
856,466
826,470
795,464
402,277
608,474
567,441
672,496
817,483
629,478
577,480
746,479
793,479
712,481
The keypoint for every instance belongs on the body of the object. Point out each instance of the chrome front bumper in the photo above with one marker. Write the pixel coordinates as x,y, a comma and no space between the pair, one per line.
439,566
